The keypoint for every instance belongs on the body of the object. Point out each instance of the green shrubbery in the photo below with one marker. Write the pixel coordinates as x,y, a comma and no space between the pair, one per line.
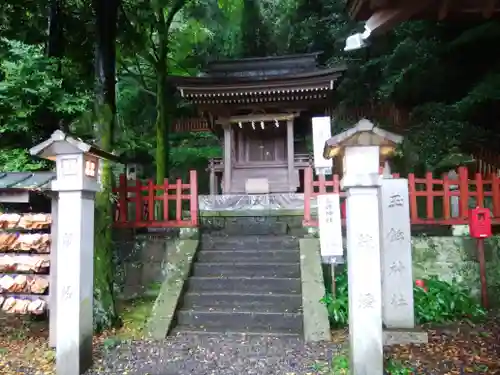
436,301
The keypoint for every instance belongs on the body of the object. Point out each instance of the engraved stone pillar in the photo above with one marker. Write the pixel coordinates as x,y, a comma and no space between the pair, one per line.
53,272
75,244
397,275
361,181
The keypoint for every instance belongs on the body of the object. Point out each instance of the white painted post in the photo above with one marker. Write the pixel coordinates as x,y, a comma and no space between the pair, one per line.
397,274
361,181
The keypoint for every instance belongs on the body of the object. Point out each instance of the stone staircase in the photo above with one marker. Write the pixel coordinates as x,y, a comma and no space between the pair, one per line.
243,284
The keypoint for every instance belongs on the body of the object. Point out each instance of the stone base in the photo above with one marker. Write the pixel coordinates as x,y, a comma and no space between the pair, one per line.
250,202
405,336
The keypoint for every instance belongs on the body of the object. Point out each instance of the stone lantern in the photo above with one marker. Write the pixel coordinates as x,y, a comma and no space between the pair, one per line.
363,148
72,273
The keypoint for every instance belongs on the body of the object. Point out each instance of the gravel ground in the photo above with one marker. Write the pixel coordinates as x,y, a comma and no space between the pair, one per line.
221,355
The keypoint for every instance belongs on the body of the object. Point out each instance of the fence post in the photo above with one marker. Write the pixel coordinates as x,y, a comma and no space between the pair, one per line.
413,197
308,190
463,185
429,196
138,201
151,200
166,188
178,200
446,197
495,188
122,199
193,200
479,191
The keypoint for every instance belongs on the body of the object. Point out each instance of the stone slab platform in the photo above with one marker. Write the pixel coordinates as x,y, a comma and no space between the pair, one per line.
405,336
252,202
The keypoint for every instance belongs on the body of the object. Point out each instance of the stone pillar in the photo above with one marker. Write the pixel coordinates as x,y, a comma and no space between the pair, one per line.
227,158
397,275
290,154
53,272
361,182
75,266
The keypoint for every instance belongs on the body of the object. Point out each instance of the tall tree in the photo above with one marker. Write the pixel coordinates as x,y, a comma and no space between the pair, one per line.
255,36
105,104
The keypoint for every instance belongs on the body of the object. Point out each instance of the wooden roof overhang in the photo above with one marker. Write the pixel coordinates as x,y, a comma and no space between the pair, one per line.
362,10
208,91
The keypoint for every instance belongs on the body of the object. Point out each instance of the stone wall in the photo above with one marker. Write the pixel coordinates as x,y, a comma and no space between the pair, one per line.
141,261
455,258
263,222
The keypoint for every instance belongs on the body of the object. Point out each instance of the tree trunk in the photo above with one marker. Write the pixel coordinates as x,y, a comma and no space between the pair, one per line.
162,101
55,49
105,314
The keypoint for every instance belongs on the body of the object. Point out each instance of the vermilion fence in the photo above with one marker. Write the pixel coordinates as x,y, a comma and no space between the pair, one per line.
147,205
431,199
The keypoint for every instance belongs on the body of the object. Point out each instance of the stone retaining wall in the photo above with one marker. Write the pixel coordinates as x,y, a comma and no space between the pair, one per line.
141,261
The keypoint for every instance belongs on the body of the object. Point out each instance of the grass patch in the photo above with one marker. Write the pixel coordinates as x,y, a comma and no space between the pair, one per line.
135,314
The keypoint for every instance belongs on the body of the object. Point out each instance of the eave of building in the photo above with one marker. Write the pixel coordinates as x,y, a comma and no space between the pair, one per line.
246,90
362,10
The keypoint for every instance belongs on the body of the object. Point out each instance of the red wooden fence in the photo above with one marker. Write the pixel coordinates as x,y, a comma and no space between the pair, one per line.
143,198
430,198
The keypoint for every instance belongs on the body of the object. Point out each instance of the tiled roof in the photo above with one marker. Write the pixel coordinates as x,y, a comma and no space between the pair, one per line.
26,180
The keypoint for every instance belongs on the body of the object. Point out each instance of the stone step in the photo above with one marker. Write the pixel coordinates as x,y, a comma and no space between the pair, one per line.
247,269
204,334
221,301
264,256
241,321
268,242
234,339
244,285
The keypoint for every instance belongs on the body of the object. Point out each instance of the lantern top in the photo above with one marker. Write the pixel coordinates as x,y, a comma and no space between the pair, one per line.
364,133
60,143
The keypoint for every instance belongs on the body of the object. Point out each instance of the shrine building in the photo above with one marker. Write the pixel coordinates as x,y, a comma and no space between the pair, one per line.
261,110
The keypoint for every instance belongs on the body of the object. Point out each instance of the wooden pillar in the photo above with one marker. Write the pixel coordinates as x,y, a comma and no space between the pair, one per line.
213,188
290,154
227,158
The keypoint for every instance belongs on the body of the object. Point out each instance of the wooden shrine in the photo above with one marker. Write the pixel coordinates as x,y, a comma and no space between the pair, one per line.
261,108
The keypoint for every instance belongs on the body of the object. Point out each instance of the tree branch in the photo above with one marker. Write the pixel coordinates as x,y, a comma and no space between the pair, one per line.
176,8
154,53
139,78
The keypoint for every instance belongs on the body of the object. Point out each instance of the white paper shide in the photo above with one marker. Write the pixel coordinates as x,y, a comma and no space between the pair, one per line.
322,131
330,229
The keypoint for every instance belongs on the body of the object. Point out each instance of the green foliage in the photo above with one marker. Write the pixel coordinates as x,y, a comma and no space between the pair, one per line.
340,366
338,306
444,302
441,302
30,86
